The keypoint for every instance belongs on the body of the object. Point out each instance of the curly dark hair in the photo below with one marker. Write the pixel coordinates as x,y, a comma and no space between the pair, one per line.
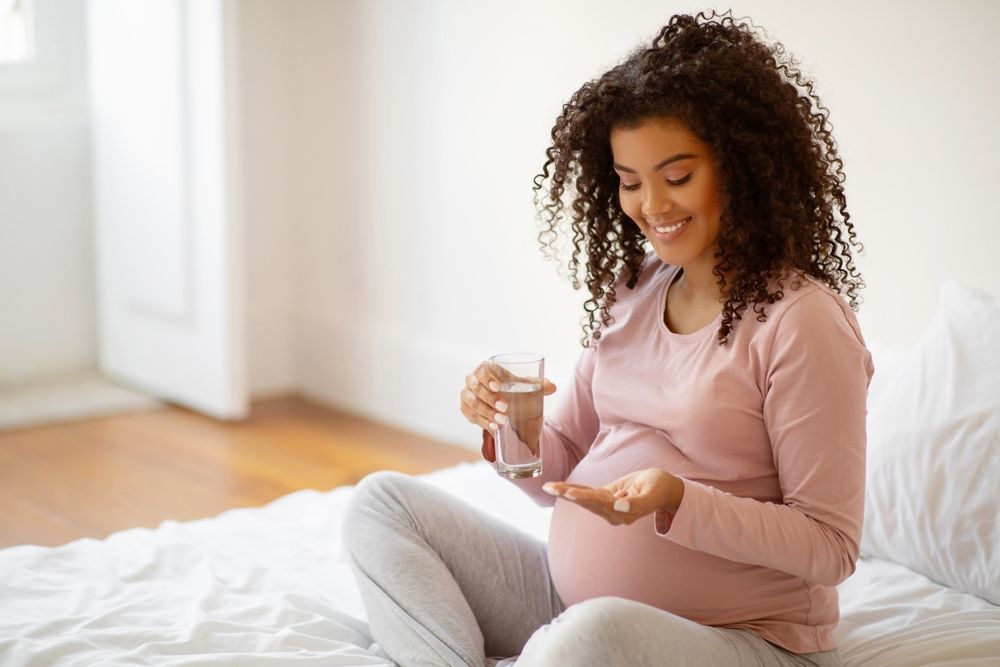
777,161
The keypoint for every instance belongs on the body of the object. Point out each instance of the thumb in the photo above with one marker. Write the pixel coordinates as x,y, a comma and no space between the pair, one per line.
547,387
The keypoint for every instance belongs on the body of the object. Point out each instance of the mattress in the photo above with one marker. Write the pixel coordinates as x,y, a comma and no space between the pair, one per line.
270,586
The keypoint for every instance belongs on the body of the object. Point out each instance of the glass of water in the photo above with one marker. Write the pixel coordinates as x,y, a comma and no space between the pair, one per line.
519,441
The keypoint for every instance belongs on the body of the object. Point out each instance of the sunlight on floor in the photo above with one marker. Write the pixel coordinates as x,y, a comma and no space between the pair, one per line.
67,399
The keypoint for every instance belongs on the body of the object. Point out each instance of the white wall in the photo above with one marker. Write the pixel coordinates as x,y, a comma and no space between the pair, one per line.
264,73
412,192
46,254
416,129
390,148
915,102
47,312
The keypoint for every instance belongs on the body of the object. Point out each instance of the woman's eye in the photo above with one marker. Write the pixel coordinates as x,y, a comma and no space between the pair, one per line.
681,181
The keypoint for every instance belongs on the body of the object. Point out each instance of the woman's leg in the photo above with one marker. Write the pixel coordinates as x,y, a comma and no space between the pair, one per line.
443,583
611,632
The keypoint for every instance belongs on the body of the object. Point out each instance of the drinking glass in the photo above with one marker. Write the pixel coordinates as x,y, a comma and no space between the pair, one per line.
519,441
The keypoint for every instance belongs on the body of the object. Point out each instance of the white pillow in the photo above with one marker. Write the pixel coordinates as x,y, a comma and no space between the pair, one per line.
934,448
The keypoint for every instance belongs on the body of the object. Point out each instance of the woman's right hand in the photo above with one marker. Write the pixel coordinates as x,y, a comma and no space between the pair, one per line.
481,405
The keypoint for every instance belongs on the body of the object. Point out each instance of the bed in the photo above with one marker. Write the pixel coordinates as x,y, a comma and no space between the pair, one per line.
270,585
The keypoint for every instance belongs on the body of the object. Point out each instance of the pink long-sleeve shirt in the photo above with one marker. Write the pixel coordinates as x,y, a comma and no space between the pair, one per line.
768,436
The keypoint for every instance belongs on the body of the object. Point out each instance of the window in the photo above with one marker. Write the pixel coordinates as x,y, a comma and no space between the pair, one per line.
16,32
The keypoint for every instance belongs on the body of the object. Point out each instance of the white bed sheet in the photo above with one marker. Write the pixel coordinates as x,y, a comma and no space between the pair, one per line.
270,586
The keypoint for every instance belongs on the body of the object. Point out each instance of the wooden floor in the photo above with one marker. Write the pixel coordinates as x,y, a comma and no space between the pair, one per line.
91,478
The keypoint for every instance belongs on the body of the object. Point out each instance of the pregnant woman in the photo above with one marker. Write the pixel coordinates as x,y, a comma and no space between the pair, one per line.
707,462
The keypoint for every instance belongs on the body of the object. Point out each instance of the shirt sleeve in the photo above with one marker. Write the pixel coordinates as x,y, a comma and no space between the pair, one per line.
568,431
815,411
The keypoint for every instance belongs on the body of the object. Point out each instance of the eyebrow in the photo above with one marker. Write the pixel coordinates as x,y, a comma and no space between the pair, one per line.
672,158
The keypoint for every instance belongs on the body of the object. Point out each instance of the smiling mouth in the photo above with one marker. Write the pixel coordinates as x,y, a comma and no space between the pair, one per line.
666,229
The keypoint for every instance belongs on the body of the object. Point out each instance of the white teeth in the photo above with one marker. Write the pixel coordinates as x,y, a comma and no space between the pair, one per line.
674,228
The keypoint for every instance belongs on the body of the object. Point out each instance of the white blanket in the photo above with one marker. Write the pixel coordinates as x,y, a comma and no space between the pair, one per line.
270,586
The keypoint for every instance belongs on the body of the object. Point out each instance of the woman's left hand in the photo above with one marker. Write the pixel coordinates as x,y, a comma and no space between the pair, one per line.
625,500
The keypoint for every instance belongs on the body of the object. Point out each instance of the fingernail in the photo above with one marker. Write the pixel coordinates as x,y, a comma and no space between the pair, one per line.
494,386
622,505
550,490
501,406
474,382
501,419
493,426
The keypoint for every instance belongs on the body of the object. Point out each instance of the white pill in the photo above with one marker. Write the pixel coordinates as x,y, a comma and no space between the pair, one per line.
622,505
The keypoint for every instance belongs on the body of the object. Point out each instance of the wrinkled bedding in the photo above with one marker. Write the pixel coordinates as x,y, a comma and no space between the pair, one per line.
270,586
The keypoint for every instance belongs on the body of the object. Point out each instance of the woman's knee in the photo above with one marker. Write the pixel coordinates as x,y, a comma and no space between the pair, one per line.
592,632
610,631
379,483
373,496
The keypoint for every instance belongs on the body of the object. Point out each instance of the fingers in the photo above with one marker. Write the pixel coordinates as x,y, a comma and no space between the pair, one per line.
491,371
480,403
619,498
625,500
485,376
612,507
481,413
589,495
598,501
501,374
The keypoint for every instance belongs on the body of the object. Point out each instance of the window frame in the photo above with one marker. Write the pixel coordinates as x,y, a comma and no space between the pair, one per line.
51,87
29,36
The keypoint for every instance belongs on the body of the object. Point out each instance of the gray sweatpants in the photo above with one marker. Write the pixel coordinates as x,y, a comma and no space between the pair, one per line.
446,584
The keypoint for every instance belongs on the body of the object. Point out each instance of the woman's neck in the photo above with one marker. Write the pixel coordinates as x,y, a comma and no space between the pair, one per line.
697,284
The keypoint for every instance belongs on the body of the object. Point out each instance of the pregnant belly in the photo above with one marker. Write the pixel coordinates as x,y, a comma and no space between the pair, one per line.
589,558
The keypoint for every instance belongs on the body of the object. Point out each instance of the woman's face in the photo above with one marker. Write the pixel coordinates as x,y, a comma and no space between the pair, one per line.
670,189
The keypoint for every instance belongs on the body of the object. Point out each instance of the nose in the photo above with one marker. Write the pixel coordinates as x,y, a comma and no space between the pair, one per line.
656,202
